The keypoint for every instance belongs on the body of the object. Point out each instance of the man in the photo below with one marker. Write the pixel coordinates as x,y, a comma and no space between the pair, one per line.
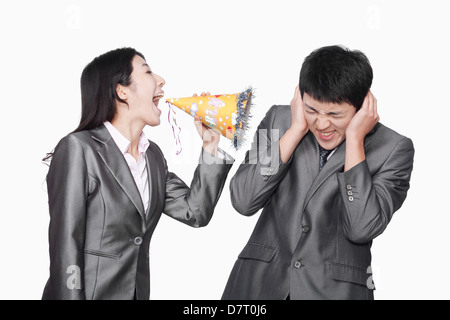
333,182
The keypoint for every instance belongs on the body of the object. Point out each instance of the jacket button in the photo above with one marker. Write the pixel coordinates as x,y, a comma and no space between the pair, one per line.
350,199
138,241
349,187
305,229
298,265
350,193
266,178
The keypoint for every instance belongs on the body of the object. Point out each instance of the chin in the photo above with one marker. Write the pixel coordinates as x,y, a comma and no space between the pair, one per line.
154,119
154,123
328,145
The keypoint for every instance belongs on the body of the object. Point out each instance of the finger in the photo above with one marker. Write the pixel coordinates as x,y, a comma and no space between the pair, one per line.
199,126
197,120
375,105
370,103
194,95
297,92
294,99
211,134
208,94
365,105
203,94
206,136
376,110
205,128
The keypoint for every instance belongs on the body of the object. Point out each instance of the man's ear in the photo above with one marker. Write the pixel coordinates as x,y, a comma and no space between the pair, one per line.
122,92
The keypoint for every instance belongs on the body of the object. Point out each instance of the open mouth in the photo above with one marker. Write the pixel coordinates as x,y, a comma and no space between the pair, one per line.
158,97
327,135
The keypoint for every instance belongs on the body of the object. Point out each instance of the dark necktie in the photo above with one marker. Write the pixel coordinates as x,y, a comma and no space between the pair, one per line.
323,156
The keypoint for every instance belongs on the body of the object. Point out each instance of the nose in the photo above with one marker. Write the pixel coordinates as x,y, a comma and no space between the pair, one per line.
322,123
160,80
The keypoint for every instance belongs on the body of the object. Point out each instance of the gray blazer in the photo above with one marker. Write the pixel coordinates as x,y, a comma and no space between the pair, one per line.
313,237
99,234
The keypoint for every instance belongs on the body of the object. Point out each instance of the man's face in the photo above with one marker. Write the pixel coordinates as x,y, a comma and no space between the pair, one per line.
328,121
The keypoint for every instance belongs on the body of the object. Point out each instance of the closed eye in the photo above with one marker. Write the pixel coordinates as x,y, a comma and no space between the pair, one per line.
310,109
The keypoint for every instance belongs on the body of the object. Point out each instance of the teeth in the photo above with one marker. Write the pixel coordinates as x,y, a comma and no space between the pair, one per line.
157,97
327,133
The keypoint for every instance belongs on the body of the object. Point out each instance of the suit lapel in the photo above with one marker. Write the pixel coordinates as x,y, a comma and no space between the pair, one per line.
117,165
153,181
310,150
334,164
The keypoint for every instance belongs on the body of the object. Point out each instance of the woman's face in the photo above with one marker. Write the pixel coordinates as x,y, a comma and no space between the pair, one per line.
145,93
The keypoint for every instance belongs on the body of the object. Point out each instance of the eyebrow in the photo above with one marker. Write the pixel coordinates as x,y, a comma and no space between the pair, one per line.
333,113
309,107
146,65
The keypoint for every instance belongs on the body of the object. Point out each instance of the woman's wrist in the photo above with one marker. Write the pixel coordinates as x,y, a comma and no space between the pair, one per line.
211,147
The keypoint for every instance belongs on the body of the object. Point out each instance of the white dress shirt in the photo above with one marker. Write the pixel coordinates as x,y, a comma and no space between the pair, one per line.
331,153
138,168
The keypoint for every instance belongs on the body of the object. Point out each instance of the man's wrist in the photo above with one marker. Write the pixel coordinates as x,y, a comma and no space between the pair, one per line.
297,132
354,139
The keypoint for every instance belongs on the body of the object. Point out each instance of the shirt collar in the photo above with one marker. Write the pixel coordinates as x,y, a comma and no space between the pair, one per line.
123,143
331,151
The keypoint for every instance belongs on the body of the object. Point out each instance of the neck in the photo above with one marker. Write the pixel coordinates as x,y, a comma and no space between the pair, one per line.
130,130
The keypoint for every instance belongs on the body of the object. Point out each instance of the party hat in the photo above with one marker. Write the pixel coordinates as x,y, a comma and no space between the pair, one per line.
225,113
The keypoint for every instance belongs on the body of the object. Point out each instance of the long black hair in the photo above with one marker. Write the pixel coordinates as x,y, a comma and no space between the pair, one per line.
98,83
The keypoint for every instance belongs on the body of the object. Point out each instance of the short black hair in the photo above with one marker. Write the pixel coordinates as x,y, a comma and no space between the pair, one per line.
336,74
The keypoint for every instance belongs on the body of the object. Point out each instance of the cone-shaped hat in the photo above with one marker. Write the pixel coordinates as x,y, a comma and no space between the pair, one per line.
225,113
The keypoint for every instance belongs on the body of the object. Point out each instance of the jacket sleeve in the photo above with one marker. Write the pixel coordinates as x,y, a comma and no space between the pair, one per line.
195,205
262,170
67,181
370,201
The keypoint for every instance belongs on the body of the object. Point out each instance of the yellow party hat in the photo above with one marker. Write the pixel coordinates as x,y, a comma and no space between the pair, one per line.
225,113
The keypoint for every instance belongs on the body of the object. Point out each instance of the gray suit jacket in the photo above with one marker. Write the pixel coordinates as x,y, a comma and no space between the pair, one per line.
99,234
313,237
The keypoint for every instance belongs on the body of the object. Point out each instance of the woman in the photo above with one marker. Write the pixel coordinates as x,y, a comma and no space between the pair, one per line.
108,184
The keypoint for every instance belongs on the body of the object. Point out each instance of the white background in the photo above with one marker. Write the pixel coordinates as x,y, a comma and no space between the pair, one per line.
223,47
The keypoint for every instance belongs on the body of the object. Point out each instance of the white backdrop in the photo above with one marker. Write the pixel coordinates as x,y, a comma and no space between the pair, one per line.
222,47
